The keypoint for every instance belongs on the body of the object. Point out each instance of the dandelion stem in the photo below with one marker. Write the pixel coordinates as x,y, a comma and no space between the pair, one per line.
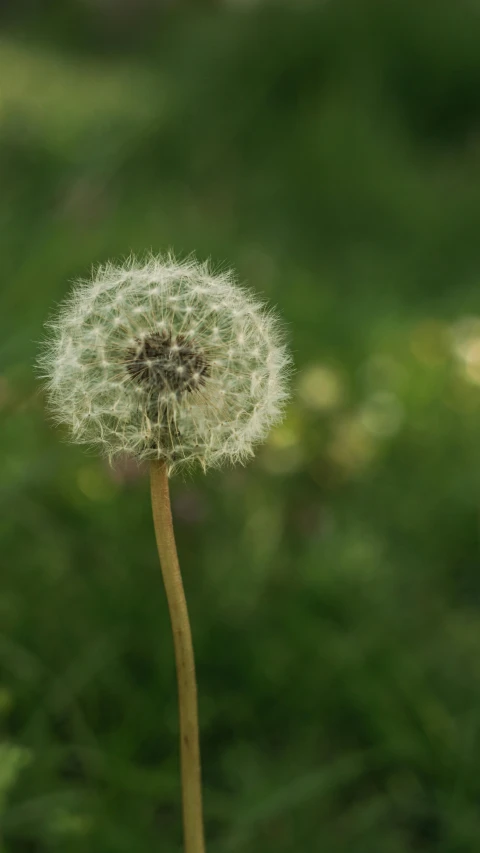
182,638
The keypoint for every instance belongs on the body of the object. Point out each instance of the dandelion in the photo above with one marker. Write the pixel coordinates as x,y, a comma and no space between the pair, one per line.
170,362
166,361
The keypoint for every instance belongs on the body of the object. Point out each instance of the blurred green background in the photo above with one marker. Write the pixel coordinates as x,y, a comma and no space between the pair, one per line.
330,152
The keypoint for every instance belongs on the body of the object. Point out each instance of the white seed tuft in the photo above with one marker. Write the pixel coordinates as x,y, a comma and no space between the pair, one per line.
127,375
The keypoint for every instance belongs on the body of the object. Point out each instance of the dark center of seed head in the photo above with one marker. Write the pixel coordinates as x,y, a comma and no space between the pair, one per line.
164,362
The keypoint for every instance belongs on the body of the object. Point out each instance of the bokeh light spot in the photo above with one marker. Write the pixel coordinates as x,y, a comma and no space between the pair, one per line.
320,388
93,483
429,342
382,415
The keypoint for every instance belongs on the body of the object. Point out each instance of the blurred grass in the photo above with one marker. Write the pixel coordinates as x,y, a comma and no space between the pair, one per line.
331,154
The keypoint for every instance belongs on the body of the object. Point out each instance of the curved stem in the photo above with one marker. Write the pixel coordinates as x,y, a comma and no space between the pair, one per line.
182,638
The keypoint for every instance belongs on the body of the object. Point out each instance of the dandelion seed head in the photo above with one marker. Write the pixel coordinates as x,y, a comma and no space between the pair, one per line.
166,360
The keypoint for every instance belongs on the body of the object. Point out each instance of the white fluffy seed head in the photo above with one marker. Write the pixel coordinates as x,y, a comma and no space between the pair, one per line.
166,360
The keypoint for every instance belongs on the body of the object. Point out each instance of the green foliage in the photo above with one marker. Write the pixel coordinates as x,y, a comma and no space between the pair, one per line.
330,152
